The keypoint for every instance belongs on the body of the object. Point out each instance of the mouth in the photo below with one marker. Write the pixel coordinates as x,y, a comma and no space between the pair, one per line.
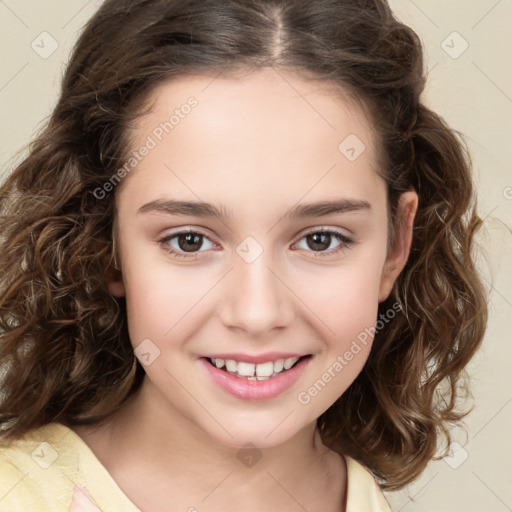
263,377
255,371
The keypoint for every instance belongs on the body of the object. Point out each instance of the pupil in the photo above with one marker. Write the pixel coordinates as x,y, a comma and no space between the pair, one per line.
316,240
189,238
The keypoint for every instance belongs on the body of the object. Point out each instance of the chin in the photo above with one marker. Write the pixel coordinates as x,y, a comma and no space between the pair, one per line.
261,434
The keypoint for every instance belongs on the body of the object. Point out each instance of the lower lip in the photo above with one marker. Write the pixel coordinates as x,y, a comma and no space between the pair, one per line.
256,389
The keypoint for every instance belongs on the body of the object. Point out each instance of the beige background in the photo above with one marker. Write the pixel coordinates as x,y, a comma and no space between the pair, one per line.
472,90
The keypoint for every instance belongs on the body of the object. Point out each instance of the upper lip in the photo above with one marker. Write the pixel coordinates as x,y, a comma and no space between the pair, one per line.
256,359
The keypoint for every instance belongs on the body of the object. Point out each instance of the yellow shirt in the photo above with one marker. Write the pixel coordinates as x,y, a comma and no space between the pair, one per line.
51,469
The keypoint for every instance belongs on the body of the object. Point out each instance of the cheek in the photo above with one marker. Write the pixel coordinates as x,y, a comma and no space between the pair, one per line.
345,303
166,302
345,300
346,321
150,299
156,302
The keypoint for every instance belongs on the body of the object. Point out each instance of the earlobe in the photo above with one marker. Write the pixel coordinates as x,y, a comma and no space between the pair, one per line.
115,283
113,275
399,253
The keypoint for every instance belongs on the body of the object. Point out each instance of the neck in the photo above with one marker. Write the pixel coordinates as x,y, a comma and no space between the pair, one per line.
147,441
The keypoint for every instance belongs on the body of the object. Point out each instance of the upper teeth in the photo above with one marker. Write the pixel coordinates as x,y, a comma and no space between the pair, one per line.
260,371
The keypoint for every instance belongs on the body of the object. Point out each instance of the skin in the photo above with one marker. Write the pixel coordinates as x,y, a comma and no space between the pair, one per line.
257,145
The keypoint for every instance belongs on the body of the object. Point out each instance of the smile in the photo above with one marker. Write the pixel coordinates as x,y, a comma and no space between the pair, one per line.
260,380
253,371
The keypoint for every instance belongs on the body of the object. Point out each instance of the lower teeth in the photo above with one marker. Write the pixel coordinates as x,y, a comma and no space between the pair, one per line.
254,377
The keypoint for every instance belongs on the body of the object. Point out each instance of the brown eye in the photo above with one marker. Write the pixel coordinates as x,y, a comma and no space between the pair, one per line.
320,241
189,242
185,243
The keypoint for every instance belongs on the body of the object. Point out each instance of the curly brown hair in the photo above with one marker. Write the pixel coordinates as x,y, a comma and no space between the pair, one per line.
65,352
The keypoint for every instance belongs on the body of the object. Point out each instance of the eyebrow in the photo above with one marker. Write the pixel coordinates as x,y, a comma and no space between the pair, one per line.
201,209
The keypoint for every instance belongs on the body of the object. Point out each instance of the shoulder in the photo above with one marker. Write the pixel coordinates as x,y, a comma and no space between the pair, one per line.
51,469
363,491
38,471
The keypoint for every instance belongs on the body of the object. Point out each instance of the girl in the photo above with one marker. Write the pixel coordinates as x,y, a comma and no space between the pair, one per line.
238,268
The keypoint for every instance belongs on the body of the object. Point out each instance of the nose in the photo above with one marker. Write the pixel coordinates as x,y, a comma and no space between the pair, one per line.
256,299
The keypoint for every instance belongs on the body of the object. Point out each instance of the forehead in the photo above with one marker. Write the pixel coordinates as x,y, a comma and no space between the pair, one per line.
259,96
266,133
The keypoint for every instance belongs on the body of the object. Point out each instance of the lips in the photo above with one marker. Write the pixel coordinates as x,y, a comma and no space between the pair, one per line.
255,387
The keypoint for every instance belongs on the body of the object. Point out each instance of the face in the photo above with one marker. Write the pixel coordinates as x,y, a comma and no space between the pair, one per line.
250,236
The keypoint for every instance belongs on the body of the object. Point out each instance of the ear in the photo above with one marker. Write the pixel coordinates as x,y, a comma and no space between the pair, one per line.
399,252
113,276
115,282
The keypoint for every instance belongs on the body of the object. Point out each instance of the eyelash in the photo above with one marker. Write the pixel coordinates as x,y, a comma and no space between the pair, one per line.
346,242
